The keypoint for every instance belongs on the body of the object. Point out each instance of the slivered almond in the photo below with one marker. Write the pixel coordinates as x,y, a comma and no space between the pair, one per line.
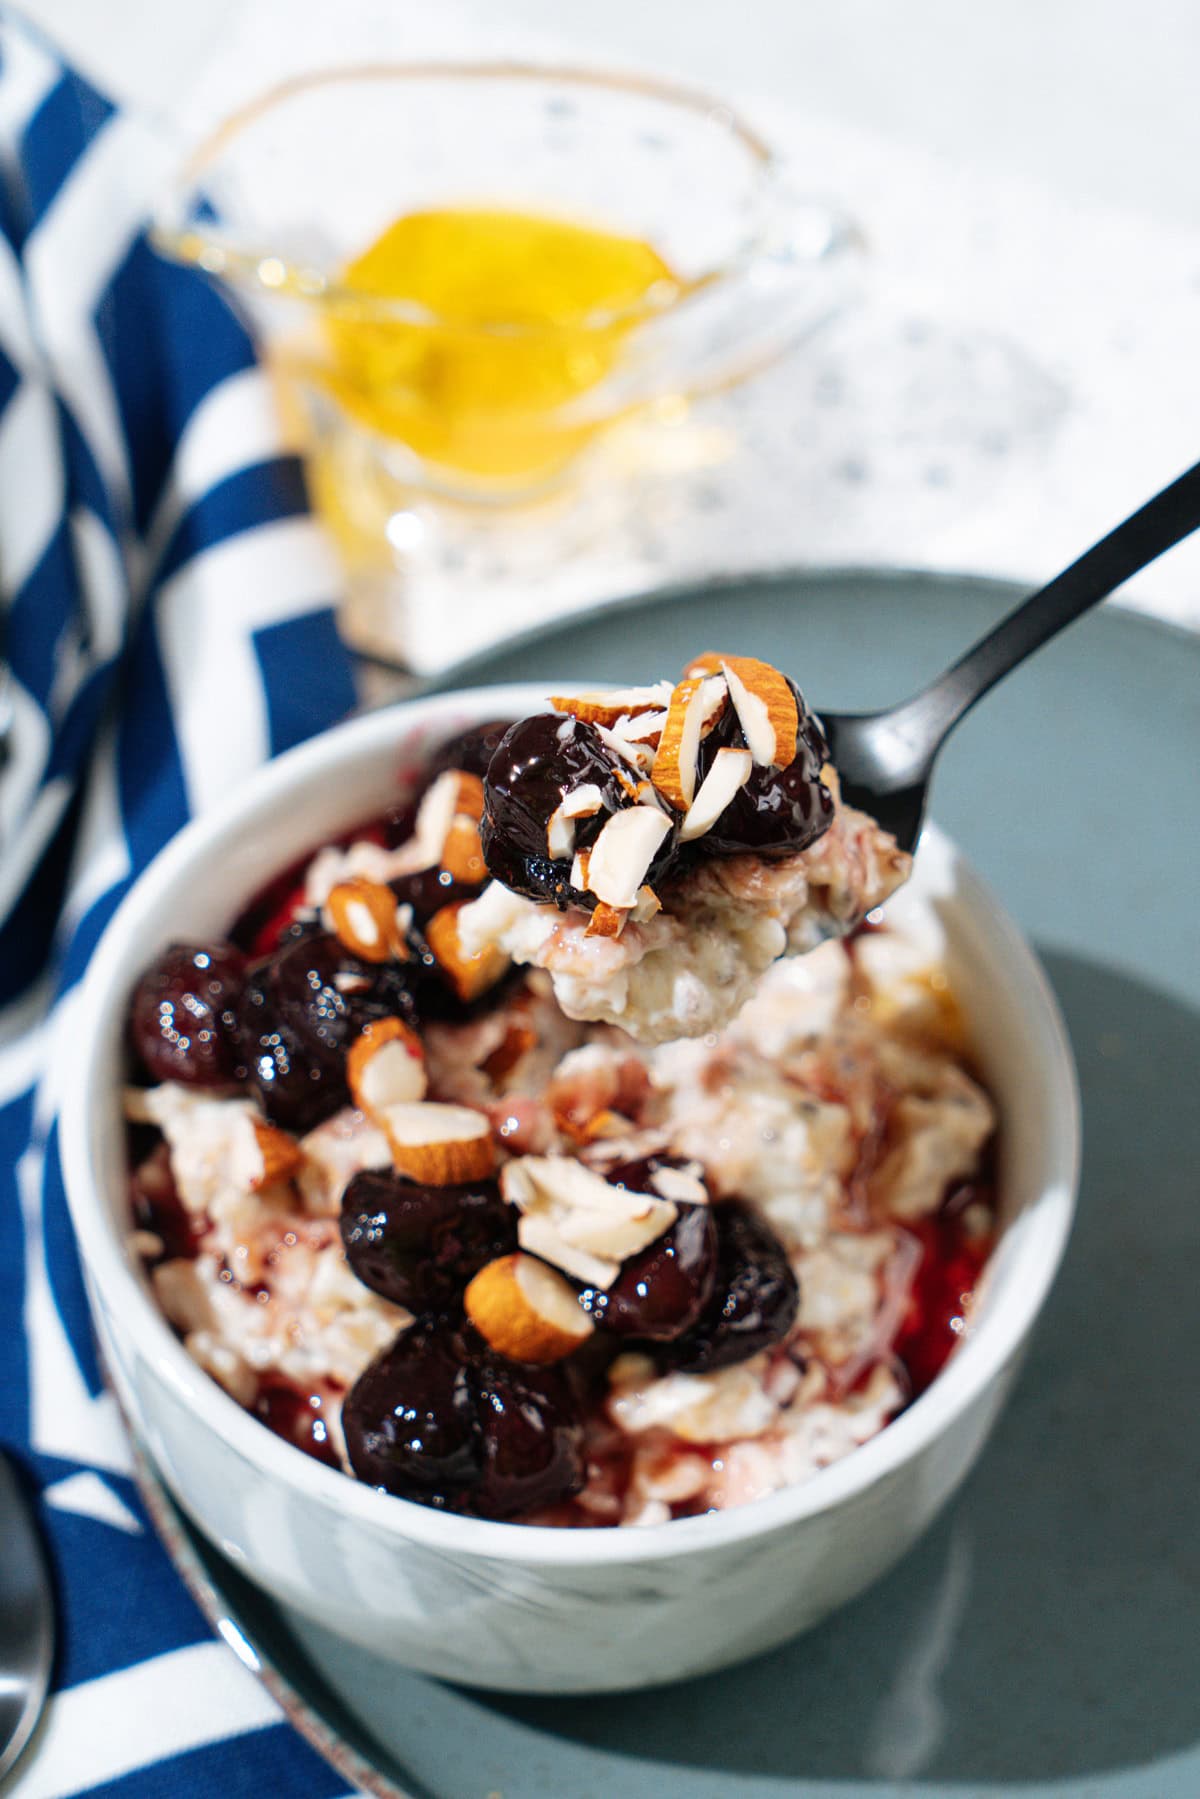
574,1218
679,1184
605,921
580,871
282,1156
362,916
462,852
623,852
694,703
639,756
582,802
642,727
468,800
765,706
437,1144
606,708
469,975
518,1040
525,1310
385,1067
728,775
645,906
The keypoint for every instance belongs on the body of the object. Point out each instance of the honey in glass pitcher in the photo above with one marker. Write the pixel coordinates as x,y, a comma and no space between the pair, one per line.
501,320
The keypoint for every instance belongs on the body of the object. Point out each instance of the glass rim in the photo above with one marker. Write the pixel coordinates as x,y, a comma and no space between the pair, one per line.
275,276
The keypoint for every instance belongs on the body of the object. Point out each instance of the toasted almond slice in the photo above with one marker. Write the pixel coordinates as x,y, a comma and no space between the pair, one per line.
386,1067
576,1219
646,905
680,1185
695,703
642,727
462,852
605,921
582,802
525,1310
439,1145
470,975
605,708
729,773
639,756
362,916
282,1156
766,709
518,1040
580,871
623,852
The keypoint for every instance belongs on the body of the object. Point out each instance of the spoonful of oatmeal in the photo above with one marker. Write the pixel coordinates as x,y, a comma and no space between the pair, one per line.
656,848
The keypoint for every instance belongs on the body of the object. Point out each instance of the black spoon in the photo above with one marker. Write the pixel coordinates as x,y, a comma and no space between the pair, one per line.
885,759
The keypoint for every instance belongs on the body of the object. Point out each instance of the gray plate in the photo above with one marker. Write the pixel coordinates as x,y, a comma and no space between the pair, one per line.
1045,1636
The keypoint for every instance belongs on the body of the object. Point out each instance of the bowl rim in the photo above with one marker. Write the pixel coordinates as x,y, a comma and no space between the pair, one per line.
193,245
984,1354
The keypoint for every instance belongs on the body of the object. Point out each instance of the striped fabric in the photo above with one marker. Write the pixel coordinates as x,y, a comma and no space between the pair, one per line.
167,625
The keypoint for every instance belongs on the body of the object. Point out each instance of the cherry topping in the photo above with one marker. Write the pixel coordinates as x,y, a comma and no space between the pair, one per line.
780,810
435,1420
754,1297
419,1246
409,1420
182,1017
297,1417
538,761
947,1274
429,890
660,1293
531,1439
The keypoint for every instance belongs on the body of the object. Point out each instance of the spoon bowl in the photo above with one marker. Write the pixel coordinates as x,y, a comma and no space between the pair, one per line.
26,1621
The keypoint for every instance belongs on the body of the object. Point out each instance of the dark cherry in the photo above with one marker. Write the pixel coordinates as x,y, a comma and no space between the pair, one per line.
410,1420
419,1246
298,1418
662,1292
470,750
182,1017
429,890
754,1297
435,1420
780,810
531,1439
539,760
155,1206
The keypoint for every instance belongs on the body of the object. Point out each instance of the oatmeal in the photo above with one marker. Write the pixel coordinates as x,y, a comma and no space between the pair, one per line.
444,1236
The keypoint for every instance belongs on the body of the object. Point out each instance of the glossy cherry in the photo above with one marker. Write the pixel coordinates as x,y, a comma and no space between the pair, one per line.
754,1297
539,760
780,810
439,1421
662,1292
419,1246
182,1017
298,1417
471,750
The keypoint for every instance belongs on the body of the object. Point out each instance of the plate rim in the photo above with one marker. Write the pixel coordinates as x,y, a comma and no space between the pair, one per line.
464,671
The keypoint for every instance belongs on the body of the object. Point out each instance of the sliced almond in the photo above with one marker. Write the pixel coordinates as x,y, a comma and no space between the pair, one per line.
729,773
607,708
282,1156
605,921
574,1218
362,916
695,705
681,1185
580,871
642,727
766,709
639,756
386,1067
517,1042
439,1145
623,852
525,1310
470,975
468,800
582,802
646,906
462,852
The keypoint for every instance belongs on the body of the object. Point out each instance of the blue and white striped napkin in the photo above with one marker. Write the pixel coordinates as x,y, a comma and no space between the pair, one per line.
167,624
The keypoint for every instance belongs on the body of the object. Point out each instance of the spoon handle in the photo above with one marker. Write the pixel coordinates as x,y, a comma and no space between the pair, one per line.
1156,527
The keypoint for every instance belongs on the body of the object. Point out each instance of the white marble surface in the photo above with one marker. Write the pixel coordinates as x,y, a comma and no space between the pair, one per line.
1022,372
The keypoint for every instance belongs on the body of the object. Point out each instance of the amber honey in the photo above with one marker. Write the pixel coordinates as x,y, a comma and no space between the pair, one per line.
503,323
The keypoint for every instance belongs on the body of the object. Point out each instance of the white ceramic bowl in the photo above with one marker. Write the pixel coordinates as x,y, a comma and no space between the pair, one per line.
507,1605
